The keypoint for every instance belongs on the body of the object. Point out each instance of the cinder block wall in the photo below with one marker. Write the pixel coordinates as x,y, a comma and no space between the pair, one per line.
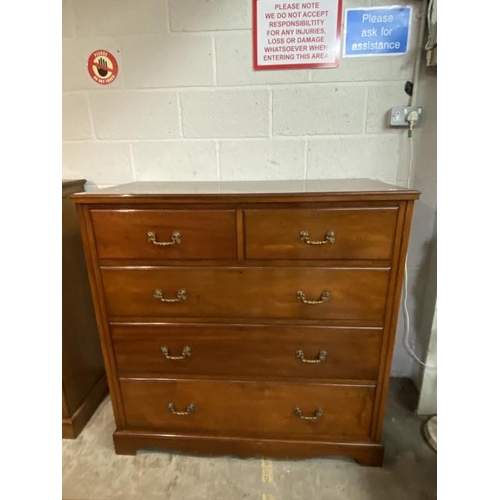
187,105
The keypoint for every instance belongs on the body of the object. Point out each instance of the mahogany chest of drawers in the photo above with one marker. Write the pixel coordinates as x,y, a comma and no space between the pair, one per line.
250,319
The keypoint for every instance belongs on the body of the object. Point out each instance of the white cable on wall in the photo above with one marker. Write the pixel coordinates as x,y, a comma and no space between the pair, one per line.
406,335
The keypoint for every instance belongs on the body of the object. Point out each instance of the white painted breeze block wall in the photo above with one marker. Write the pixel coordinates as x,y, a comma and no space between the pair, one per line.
187,104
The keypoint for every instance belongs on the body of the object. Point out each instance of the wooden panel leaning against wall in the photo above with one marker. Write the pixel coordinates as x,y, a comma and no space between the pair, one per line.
84,383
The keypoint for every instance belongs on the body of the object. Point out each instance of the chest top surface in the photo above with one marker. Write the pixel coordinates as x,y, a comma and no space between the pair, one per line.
292,190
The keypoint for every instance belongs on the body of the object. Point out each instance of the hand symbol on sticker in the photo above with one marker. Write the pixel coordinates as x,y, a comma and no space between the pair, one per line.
102,62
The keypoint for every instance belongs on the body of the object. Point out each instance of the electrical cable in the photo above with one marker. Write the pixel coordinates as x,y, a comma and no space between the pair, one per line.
406,336
406,332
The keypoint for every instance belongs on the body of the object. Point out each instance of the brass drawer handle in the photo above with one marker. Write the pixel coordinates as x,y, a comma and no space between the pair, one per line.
317,414
189,409
181,295
329,238
301,296
186,352
300,355
175,239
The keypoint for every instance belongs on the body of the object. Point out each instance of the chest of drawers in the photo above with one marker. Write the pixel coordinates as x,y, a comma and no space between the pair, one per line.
250,319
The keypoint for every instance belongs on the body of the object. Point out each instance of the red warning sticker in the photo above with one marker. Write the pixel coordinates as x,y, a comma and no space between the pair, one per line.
102,67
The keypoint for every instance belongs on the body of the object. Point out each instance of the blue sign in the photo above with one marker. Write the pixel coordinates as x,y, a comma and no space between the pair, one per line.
377,31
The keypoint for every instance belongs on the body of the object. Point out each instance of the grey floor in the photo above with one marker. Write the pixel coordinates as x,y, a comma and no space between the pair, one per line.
92,471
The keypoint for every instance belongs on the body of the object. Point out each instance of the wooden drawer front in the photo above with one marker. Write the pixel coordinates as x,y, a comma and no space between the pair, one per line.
248,408
365,233
356,294
204,234
343,353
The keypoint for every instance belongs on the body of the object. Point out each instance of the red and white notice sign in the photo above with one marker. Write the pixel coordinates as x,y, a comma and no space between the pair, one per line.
296,34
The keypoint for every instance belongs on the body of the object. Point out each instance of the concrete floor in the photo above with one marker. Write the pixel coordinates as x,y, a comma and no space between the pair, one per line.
92,471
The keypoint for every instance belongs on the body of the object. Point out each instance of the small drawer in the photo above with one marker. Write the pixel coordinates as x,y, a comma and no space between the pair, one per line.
324,234
247,350
165,234
239,292
235,408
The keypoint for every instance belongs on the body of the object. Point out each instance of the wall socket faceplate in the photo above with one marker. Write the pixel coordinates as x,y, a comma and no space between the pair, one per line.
398,115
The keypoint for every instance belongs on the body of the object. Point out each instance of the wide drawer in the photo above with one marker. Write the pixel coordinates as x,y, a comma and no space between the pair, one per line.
338,293
165,234
336,233
315,411
247,350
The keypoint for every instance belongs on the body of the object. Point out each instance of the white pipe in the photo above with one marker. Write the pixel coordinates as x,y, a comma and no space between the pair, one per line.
420,49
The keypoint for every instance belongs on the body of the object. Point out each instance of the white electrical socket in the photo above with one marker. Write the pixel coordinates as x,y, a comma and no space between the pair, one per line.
398,115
